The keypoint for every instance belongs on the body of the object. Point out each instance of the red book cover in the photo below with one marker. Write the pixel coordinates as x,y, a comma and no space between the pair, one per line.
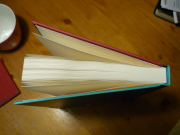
8,89
99,44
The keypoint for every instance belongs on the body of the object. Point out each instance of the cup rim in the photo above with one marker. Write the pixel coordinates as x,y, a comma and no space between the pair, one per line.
14,23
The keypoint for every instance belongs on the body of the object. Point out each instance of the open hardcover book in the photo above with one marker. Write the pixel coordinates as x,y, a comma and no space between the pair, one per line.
81,67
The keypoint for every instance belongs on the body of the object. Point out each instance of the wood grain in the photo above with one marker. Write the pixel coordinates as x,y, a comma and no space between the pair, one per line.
127,25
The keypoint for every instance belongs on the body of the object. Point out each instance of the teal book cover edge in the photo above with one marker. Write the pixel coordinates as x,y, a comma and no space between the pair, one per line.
98,92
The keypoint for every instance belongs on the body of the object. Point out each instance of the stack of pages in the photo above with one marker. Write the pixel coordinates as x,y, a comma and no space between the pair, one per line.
62,76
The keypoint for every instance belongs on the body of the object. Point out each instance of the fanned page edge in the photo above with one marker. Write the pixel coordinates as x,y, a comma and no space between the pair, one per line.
64,65
73,86
99,44
58,49
65,46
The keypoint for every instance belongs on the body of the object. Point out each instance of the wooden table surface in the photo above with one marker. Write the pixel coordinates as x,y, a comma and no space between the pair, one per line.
127,25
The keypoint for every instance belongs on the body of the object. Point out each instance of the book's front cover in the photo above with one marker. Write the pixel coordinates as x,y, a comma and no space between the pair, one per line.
8,89
98,44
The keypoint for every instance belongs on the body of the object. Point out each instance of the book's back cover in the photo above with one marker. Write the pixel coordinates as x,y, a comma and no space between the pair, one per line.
94,97
86,98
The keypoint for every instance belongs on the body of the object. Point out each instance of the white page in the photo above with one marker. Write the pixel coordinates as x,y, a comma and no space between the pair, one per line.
58,49
89,48
70,69
59,90
171,5
176,16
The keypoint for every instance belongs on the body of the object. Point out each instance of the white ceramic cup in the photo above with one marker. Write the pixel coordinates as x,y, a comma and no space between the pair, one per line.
10,32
